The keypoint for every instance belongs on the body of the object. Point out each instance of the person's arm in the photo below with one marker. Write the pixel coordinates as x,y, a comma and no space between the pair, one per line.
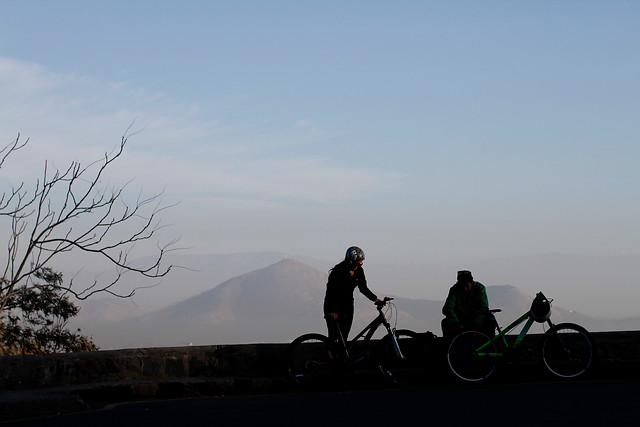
484,301
482,304
362,286
449,308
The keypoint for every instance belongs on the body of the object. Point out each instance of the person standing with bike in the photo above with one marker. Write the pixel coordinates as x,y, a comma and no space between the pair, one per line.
344,278
399,355
466,307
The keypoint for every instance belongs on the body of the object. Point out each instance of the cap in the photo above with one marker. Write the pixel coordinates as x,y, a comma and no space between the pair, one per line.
464,276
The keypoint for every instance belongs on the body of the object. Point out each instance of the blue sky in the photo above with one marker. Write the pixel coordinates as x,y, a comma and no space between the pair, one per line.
419,130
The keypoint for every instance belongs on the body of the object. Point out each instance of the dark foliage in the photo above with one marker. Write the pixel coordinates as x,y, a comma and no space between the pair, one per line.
35,319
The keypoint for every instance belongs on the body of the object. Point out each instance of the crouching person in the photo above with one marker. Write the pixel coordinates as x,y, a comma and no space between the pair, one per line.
466,308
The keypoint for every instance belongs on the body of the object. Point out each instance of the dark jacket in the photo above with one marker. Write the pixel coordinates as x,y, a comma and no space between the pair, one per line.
340,287
461,307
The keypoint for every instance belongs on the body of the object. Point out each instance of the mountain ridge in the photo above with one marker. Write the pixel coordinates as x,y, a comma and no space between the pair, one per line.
279,302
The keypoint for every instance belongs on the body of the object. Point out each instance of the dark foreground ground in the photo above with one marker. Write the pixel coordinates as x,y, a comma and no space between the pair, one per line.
582,403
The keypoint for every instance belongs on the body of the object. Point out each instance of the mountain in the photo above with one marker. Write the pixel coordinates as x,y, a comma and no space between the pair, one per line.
602,286
272,304
190,276
280,302
599,286
268,304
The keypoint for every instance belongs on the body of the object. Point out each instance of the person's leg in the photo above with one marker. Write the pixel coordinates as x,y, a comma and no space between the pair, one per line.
332,328
489,326
448,330
345,321
336,346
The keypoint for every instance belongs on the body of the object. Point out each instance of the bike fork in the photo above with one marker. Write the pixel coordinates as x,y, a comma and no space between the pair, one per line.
396,346
565,349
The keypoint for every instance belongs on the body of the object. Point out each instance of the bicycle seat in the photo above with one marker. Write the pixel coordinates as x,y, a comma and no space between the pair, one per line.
493,310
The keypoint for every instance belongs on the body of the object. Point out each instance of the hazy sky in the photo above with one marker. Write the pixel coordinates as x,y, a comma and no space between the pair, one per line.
419,130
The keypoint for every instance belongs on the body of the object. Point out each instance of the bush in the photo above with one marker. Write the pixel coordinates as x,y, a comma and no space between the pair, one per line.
35,318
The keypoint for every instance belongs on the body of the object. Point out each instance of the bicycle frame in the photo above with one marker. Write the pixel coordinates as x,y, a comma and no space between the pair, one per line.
367,333
316,356
502,333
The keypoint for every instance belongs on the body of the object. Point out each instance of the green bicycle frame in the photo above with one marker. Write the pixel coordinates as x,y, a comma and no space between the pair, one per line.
501,337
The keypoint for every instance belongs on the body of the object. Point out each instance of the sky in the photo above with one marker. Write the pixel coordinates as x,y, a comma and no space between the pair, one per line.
418,130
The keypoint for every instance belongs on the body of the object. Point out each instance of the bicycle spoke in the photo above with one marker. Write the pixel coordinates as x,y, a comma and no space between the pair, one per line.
567,350
464,363
404,365
309,358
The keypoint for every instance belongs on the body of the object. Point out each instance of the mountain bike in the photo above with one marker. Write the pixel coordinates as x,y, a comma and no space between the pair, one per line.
566,349
398,355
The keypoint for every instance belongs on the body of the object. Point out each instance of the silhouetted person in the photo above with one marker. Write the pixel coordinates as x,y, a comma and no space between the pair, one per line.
465,307
344,278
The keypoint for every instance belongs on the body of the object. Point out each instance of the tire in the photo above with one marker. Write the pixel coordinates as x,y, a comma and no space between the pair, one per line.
463,363
309,358
567,350
409,370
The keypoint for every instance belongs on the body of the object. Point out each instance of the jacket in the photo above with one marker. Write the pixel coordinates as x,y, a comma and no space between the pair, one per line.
340,288
462,307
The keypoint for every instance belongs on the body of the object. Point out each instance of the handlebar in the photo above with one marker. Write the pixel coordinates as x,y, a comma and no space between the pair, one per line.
383,302
378,304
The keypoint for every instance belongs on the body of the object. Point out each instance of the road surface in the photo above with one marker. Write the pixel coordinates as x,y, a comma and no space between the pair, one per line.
576,403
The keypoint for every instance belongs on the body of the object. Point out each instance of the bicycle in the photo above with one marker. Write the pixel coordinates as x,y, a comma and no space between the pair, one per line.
566,349
312,357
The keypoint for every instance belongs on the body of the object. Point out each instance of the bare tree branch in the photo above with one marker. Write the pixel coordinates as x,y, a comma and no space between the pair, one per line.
69,210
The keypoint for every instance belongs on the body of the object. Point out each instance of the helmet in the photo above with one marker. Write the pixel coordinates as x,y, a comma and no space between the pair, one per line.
540,308
354,254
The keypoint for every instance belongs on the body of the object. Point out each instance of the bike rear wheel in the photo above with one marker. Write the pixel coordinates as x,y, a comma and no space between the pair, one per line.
567,350
464,363
407,369
309,358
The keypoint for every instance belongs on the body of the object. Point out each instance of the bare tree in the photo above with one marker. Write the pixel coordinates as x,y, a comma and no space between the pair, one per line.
70,210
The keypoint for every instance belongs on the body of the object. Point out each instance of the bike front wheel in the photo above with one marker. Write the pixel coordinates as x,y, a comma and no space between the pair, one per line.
309,358
463,360
404,364
567,350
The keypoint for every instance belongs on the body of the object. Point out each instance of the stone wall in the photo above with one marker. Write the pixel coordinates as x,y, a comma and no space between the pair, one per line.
615,352
146,364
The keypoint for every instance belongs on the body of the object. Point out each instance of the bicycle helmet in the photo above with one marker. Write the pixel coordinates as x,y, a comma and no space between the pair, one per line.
540,308
354,254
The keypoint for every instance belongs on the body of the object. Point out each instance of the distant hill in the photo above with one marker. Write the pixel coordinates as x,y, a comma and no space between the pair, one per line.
190,276
267,304
602,286
278,303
